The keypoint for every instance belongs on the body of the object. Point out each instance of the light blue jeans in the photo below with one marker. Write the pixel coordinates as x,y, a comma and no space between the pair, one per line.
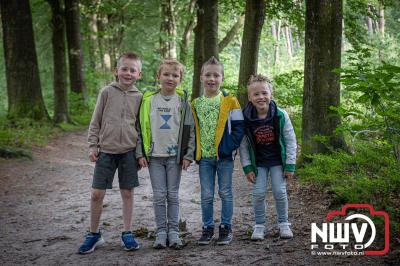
260,189
208,168
165,176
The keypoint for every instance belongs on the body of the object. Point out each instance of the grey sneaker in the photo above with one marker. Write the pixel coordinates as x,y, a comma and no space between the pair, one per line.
284,230
161,240
258,232
174,240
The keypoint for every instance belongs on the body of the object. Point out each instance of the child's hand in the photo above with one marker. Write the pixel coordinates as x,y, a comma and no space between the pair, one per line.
185,164
251,177
142,162
288,174
93,156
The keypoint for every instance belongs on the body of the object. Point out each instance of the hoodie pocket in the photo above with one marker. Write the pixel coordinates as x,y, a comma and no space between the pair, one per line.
105,133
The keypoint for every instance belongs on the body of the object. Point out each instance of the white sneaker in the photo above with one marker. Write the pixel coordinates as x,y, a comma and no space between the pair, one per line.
284,230
161,240
174,240
258,232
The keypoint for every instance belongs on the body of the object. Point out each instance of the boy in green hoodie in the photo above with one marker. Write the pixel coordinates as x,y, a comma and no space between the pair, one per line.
268,149
167,128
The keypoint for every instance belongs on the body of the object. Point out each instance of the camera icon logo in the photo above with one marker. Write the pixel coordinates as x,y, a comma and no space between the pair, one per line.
336,235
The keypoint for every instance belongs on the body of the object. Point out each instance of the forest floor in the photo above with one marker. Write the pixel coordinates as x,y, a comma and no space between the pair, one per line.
45,214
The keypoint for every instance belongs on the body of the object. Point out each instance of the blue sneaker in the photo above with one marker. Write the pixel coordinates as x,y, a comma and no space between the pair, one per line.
92,240
128,241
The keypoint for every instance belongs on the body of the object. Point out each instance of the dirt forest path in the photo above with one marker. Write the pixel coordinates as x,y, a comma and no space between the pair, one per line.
44,214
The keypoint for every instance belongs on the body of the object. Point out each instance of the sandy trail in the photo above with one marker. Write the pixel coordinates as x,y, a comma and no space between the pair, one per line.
45,213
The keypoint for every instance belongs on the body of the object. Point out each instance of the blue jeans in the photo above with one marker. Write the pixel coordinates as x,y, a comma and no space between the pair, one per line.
260,189
208,167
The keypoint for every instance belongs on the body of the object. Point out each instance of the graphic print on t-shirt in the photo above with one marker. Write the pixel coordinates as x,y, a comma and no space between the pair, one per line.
165,120
165,125
264,135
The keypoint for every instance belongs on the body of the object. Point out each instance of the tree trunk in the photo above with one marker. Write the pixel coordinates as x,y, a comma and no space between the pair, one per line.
210,29
291,40
60,64
100,40
370,27
276,33
323,39
184,45
288,41
370,22
254,20
24,91
167,30
95,62
230,35
74,49
382,18
198,50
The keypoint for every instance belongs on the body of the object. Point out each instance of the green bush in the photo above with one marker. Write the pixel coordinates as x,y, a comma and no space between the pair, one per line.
25,133
370,175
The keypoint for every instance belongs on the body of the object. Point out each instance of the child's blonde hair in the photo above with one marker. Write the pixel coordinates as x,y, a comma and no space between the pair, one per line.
171,62
128,55
213,61
262,79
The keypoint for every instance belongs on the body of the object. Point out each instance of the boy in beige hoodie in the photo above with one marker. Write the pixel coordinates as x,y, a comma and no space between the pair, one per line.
113,138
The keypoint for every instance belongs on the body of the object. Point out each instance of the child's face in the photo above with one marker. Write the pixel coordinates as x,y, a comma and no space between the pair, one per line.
169,78
259,95
128,72
211,78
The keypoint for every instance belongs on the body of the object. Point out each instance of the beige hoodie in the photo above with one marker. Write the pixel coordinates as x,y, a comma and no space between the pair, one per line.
113,125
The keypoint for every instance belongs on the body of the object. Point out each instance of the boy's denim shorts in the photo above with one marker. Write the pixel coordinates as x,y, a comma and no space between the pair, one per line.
107,164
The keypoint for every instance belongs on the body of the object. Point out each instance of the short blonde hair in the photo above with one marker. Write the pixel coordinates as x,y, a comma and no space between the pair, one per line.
171,62
128,55
262,79
212,61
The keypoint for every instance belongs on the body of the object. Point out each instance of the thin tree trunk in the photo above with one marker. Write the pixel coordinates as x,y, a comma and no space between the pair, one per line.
74,49
254,20
288,43
382,18
24,91
167,30
60,63
230,35
321,85
370,22
95,63
184,44
210,29
291,40
198,50
370,27
100,39
276,33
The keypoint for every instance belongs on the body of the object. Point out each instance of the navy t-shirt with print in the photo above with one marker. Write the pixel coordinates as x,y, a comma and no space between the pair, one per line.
265,140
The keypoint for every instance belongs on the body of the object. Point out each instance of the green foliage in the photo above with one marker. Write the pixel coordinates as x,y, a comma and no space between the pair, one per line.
367,176
288,93
374,109
355,12
80,113
288,89
293,11
25,134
